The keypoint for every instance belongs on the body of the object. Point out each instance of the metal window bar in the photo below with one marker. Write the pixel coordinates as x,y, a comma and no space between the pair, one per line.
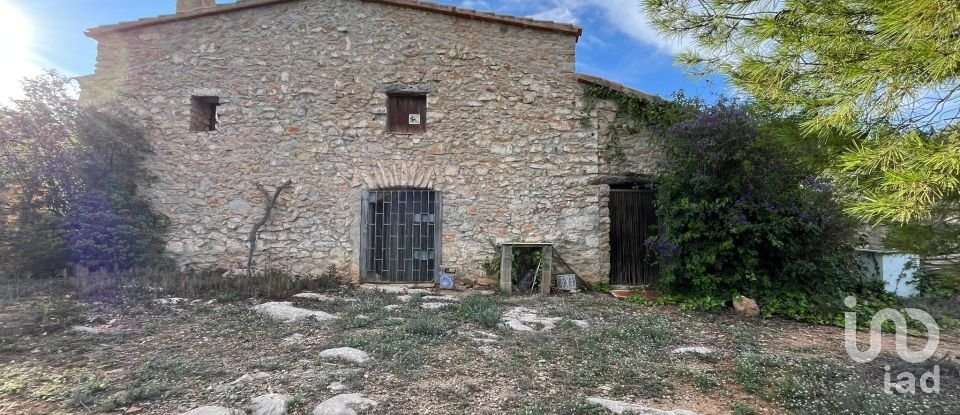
400,235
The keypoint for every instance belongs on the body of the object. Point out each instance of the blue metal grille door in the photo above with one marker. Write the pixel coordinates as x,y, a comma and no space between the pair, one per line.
400,236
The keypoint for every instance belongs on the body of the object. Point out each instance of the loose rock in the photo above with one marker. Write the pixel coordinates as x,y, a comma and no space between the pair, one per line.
347,354
314,296
520,318
618,407
323,297
269,404
439,298
694,350
485,282
85,330
337,387
213,410
287,313
347,404
434,306
746,306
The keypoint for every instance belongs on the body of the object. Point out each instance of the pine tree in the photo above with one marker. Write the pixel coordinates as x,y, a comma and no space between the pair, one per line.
880,77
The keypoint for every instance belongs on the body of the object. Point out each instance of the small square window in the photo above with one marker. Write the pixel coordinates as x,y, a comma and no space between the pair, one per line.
407,114
203,113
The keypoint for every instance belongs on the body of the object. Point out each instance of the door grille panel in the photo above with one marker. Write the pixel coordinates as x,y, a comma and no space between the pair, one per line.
633,220
400,235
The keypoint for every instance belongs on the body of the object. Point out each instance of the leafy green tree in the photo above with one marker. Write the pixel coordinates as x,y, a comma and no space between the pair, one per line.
74,174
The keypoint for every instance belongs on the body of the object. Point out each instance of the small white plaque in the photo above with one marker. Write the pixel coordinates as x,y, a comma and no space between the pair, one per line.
414,119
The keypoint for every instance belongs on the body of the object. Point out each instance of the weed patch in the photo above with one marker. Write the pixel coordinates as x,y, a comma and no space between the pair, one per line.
429,326
56,314
483,310
84,396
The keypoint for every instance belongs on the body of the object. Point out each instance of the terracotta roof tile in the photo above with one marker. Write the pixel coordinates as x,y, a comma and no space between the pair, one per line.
411,4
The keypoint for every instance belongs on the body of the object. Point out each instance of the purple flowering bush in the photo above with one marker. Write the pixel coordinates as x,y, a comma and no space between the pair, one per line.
741,216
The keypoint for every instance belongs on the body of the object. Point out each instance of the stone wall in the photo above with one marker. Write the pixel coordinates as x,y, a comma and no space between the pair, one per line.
623,154
301,91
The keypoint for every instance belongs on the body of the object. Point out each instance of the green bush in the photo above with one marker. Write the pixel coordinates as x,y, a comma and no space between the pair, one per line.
741,216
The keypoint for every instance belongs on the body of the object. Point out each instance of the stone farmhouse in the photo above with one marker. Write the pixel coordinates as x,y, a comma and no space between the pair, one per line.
417,136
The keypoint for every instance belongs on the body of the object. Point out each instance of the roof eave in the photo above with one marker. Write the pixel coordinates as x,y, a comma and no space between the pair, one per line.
598,81
573,30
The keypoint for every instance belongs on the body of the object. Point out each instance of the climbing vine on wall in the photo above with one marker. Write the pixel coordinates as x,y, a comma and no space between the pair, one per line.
635,114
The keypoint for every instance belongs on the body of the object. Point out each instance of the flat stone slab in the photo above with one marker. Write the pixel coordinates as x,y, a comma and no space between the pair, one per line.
434,306
694,350
347,354
85,330
346,404
323,297
618,407
337,387
213,410
269,404
287,313
521,319
250,377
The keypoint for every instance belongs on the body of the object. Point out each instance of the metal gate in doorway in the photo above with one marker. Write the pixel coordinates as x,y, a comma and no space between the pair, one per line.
400,236
632,221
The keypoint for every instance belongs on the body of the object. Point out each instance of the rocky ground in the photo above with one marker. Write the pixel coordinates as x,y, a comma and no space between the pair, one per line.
360,351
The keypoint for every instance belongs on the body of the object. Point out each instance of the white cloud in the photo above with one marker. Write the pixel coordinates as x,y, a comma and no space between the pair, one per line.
629,17
557,14
20,61
624,16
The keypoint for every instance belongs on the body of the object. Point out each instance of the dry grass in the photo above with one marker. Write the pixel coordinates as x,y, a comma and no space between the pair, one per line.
168,359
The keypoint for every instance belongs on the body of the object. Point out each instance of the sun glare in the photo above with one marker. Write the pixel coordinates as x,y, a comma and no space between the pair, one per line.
16,50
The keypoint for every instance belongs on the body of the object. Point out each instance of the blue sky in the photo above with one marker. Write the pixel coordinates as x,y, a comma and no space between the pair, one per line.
617,43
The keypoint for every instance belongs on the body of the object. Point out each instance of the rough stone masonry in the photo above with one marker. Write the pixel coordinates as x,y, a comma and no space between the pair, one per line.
301,87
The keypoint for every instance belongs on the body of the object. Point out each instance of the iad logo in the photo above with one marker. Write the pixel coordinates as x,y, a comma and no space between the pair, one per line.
907,381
